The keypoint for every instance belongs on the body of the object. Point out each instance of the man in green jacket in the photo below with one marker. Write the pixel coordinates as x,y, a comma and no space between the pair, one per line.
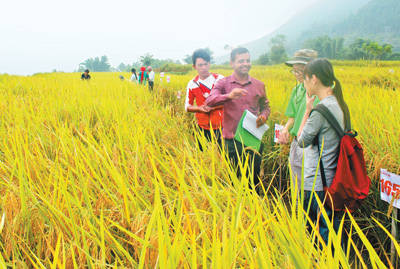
295,112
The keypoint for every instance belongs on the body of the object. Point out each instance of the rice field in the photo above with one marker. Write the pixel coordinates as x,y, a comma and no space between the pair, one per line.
104,174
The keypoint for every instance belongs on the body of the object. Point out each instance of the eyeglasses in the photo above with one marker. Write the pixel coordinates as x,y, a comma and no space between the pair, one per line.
297,71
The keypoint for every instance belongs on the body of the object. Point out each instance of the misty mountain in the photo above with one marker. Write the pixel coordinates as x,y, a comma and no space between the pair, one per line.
377,20
373,19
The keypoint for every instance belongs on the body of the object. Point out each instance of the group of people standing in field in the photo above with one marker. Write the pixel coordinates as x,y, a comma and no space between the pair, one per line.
219,102
145,76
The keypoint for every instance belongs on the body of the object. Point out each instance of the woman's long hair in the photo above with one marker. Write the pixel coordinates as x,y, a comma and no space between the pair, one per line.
323,70
133,70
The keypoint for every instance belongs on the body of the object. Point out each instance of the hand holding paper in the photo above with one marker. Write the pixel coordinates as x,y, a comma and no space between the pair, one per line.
247,131
260,120
250,124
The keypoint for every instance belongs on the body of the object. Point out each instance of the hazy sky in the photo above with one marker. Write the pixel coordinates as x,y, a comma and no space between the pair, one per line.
42,35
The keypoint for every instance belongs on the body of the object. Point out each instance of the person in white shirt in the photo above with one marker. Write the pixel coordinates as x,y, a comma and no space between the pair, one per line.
134,76
151,78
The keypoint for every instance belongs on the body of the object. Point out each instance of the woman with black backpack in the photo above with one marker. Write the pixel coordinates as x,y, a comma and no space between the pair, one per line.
319,138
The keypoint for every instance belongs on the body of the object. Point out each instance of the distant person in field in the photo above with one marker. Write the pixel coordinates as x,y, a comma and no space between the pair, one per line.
236,93
316,133
295,111
151,77
209,119
143,76
85,75
121,77
134,77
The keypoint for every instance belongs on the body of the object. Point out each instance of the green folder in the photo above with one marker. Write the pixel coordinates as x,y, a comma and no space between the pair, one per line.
245,137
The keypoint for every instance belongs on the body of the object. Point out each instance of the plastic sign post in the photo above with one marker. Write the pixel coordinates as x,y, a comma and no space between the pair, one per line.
390,192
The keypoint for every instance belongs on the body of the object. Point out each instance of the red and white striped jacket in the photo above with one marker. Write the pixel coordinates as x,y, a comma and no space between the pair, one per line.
198,90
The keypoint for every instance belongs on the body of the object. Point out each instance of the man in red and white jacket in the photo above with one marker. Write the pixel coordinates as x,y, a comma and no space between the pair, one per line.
209,119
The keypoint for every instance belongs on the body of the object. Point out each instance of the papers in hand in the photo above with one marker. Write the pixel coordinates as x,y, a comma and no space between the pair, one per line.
278,129
250,124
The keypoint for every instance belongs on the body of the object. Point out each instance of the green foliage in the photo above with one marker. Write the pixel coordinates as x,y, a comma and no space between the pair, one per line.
359,49
188,59
278,52
124,67
146,59
356,50
176,68
376,51
95,64
395,57
369,50
263,59
332,48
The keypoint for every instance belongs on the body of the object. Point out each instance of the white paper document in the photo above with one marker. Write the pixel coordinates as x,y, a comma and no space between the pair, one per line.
249,123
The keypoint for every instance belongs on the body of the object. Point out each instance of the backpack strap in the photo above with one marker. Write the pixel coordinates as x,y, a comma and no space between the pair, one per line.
324,111
321,168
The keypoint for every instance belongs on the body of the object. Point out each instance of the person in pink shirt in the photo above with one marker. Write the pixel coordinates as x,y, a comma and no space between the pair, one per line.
236,93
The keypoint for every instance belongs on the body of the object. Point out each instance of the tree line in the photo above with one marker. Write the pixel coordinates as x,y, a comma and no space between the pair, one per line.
327,47
358,49
101,64
331,48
